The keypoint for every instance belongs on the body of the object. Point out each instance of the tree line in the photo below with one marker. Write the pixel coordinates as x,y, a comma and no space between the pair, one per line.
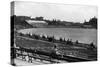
54,40
20,19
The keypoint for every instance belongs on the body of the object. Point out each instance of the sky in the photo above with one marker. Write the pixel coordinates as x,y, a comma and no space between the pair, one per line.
64,12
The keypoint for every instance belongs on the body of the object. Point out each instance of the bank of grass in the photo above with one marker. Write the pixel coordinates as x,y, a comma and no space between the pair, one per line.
34,44
49,47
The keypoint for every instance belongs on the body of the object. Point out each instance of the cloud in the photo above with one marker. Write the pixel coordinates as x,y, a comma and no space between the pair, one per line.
77,13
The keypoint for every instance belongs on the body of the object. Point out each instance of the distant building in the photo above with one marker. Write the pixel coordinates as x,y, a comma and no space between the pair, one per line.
35,21
67,23
88,26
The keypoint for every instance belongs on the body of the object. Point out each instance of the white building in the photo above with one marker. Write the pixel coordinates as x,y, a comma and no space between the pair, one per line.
37,23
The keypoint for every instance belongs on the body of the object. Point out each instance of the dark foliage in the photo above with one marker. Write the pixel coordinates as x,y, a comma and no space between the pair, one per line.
92,22
20,20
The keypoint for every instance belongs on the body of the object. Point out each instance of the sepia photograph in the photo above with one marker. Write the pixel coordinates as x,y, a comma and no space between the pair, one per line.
50,33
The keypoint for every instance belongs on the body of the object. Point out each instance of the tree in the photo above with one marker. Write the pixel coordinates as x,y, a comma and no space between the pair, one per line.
93,22
61,39
77,42
92,45
43,37
39,18
50,39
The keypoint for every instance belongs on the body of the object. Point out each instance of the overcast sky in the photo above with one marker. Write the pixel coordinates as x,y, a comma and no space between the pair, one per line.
76,13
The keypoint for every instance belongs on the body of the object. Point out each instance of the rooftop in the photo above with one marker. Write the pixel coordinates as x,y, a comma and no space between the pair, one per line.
35,21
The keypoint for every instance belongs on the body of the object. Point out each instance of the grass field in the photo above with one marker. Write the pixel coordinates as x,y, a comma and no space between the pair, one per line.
68,50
